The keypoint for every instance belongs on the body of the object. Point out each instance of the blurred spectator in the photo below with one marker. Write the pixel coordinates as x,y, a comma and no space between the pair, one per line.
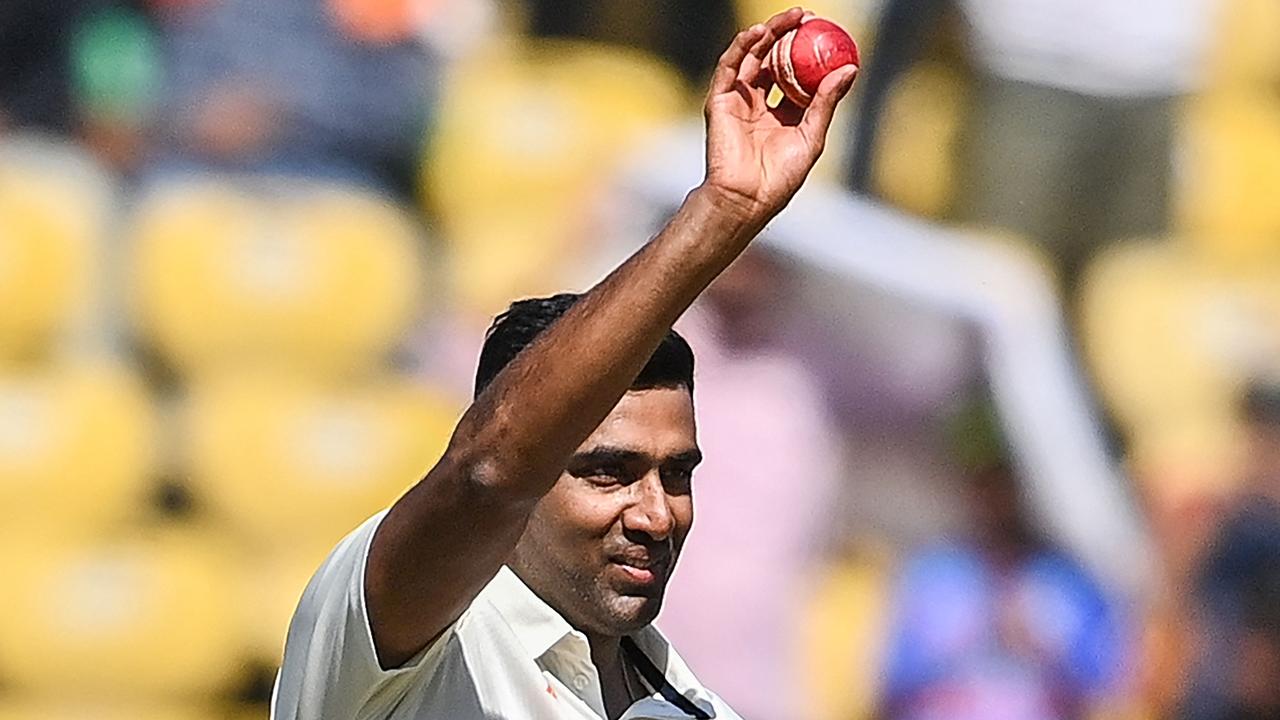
80,67
1235,667
1070,129
338,89
1000,625
762,496
688,35
35,79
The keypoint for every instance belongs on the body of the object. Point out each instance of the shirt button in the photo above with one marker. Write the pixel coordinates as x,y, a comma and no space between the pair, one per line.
580,682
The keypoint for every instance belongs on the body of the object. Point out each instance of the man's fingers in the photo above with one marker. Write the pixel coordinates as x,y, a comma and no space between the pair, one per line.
817,118
730,63
787,113
785,21
750,68
742,60
775,27
764,78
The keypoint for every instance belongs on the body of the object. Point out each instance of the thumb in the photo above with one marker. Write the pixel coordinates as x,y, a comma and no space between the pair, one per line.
817,118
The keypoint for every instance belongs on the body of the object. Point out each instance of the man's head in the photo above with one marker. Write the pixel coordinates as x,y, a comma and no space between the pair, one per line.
601,545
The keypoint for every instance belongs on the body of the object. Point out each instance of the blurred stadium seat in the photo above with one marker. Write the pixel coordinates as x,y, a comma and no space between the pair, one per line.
1171,343
53,709
754,11
526,134
146,617
1245,55
271,583
1231,170
77,446
55,203
285,459
316,280
844,637
915,164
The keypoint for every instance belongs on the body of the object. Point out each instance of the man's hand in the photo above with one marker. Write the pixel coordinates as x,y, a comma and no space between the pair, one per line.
757,157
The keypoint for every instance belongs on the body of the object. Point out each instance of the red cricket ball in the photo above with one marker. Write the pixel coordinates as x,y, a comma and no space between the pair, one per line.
802,57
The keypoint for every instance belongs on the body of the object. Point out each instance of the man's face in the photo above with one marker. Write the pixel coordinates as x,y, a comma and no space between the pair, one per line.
600,547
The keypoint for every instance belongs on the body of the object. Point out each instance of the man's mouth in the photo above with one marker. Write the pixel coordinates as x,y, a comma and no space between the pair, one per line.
641,576
641,569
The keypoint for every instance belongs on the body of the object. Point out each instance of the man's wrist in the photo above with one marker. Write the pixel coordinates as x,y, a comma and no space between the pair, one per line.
741,217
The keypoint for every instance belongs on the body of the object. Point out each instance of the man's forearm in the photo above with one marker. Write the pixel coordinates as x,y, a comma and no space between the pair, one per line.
521,430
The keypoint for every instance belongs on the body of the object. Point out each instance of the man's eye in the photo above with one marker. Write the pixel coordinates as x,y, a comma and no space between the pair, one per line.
606,474
678,477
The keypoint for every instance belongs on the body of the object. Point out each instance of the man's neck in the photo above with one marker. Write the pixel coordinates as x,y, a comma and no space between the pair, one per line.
606,650
606,655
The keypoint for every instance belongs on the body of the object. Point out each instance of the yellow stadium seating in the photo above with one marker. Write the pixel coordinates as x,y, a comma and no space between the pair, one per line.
54,709
1229,176
527,134
844,637
271,583
506,256
297,461
148,617
915,161
248,712
77,446
754,11
317,280
1245,54
54,204
1171,342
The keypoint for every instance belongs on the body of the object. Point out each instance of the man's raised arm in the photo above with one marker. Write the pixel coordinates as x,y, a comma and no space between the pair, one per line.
447,537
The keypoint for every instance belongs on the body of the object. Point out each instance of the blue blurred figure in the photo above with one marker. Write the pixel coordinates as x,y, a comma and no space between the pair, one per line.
1235,664
1002,625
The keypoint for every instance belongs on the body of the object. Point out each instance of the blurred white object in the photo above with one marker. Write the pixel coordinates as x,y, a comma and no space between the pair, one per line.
454,28
1095,47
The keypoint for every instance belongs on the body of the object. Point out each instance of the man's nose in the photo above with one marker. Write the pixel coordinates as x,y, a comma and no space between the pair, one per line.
650,512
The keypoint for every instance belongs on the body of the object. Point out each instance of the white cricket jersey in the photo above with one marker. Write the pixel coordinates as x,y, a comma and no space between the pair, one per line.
509,655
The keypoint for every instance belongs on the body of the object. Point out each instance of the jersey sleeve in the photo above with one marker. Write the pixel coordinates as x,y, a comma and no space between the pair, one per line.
330,668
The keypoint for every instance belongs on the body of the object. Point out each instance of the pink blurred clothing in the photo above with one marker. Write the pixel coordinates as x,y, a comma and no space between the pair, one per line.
761,499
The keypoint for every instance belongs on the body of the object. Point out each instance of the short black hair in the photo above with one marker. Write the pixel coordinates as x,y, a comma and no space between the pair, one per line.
671,365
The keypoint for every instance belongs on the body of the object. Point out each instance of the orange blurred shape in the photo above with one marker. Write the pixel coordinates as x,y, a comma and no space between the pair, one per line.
77,446
144,617
285,458
381,21
318,280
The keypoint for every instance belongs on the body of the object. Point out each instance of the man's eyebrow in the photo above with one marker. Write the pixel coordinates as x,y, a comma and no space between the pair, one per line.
606,455
688,457
609,455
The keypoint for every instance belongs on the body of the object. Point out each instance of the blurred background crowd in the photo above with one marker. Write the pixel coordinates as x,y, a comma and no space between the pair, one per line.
991,413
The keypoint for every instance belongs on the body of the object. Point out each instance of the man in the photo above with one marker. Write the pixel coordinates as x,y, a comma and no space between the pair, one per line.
519,577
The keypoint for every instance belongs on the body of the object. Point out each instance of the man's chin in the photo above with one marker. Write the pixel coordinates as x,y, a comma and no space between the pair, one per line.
629,613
